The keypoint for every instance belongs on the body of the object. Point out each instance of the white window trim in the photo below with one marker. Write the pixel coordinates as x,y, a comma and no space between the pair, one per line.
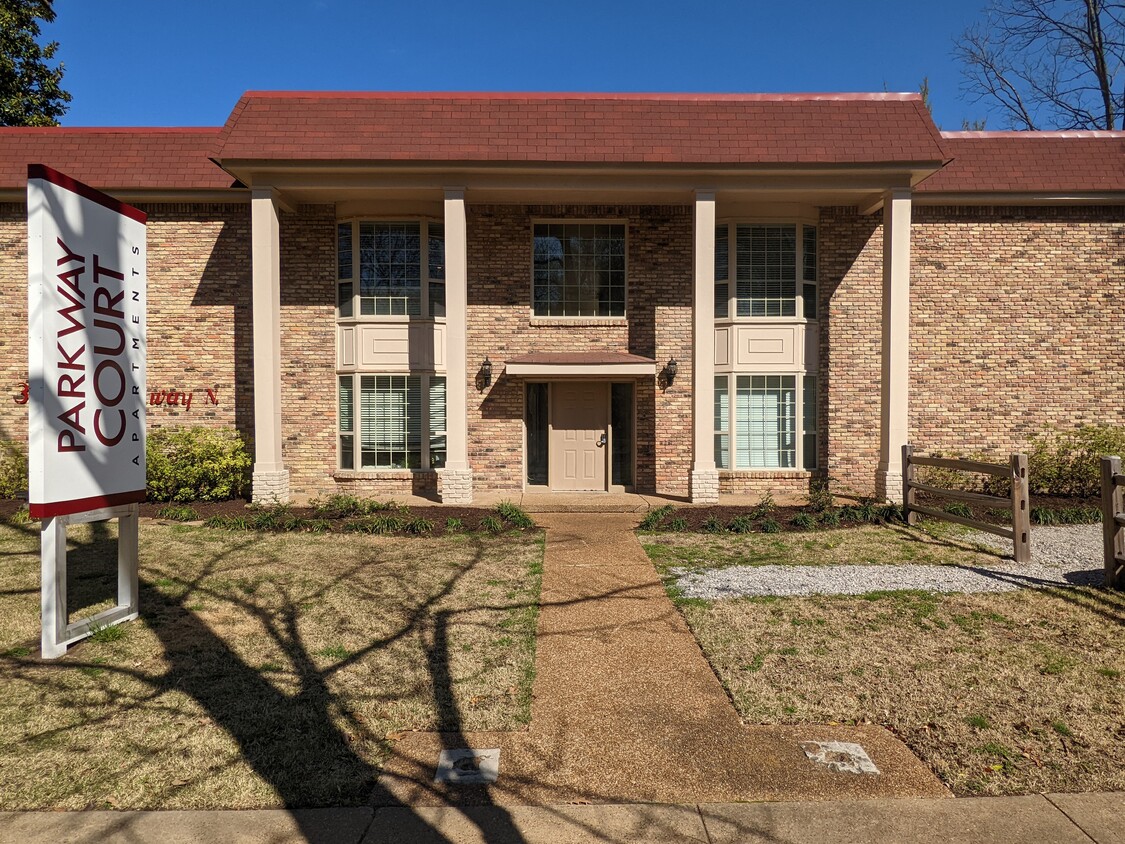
537,319
799,421
423,265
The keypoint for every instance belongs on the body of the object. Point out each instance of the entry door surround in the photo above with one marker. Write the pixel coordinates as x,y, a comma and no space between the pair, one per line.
579,435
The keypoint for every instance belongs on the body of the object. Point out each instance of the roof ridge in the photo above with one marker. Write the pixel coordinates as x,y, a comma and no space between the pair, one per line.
1029,134
117,130
682,96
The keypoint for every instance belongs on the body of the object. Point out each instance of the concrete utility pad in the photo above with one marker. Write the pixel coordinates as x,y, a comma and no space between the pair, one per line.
467,765
842,756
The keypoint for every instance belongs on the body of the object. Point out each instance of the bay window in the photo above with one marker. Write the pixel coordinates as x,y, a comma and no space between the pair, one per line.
392,421
765,270
390,269
757,424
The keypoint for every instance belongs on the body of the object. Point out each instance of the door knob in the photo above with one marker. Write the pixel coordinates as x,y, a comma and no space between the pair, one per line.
601,440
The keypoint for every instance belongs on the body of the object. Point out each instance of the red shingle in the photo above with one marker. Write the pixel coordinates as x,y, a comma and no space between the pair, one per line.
1031,162
108,159
616,128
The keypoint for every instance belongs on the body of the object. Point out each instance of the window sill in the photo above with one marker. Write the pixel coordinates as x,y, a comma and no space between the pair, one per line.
368,319
546,322
378,474
766,473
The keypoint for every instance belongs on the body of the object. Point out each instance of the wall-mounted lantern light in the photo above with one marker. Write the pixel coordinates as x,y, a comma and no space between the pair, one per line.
484,374
668,374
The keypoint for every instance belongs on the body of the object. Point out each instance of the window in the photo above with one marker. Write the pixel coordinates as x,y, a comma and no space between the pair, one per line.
390,417
579,270
389,264
760,411
773,277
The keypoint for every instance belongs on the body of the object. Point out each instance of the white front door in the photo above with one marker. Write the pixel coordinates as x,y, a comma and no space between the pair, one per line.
579,434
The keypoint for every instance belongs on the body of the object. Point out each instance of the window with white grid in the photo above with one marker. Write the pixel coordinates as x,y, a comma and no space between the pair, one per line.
774,270
765,422
390,269
389,415
578,269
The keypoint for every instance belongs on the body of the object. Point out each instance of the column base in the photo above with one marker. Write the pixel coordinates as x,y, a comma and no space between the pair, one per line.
705,486
270,487
888,485
455,486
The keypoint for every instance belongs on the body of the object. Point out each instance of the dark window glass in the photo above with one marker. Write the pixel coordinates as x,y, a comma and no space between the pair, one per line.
537,434
621,420
579,270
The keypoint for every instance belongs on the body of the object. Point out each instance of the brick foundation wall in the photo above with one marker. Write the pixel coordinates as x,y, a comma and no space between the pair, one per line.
659,271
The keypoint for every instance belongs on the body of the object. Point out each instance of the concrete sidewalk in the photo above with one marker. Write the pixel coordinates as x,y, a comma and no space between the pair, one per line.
1053,818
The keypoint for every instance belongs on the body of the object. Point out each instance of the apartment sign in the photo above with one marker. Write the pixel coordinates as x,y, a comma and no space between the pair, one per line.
86,347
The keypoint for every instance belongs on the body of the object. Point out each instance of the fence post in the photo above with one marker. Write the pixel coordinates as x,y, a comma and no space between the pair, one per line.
1111,506
908,478
1021,515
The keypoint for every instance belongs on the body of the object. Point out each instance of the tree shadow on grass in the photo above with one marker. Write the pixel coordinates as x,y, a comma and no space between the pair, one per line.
301,741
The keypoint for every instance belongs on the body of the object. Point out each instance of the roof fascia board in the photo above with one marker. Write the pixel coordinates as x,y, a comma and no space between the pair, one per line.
209,196
1014,198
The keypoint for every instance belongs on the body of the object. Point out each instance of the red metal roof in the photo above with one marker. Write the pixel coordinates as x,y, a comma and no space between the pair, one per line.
580,359
117,158
1031,162
582,128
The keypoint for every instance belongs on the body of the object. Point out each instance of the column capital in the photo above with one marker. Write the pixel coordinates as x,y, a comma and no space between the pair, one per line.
898,194
704,194
454,193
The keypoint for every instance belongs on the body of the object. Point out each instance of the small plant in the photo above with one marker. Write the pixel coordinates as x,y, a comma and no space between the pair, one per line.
805,521
1062,729
769,526
177,513
765,507
654,518
959,508
713,525
338,506
978,722
228,522
1065,516
453,525
820,499
741,524
105,635
418,525
334,652
830,518
678,525
380,524
18,652
492,524
1043,516
514,515
270,517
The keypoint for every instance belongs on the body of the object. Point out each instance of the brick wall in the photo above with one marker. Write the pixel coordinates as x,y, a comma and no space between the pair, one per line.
659,326
1014,315
198,315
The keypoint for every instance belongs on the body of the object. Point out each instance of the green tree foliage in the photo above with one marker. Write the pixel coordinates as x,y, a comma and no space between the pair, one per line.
30,94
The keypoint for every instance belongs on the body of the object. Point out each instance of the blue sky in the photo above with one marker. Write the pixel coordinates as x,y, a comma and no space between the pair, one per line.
185,62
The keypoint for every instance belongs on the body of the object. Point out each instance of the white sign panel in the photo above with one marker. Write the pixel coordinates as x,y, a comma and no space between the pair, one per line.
86,347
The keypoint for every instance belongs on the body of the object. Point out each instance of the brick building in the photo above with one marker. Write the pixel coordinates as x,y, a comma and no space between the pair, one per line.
683,294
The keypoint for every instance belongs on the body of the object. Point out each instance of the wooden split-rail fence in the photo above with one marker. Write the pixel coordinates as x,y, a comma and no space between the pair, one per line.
1113,521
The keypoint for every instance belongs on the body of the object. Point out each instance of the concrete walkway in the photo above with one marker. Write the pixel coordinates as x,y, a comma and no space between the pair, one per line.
1037,819
627,709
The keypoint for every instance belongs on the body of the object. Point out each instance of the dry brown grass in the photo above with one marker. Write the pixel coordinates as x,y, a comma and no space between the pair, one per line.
266,670
1007,693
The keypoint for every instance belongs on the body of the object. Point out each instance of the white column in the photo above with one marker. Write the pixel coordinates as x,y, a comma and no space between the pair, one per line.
895,405
457,476
704,475
271,478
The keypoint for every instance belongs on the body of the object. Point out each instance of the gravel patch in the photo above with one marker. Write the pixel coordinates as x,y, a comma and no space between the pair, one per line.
1061,556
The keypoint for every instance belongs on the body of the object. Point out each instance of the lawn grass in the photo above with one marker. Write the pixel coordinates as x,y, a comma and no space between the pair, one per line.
938,544
1011,693
265,670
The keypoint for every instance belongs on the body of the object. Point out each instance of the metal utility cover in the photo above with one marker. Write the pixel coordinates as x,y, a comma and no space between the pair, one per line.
468,766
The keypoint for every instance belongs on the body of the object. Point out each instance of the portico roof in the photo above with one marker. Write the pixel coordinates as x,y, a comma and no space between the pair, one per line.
570,364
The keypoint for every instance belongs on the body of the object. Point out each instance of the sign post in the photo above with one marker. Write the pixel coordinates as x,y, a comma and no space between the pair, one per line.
86,363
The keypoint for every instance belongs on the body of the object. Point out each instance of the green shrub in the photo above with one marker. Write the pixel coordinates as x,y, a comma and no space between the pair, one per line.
1065,515
418,525
830,518
492,524
653,518
741,524
1069,462
453,525
514,515
713,525
13,469
959,508
769,526
765,507
196,464
338,506
820,499
177,513
805,521
678,525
